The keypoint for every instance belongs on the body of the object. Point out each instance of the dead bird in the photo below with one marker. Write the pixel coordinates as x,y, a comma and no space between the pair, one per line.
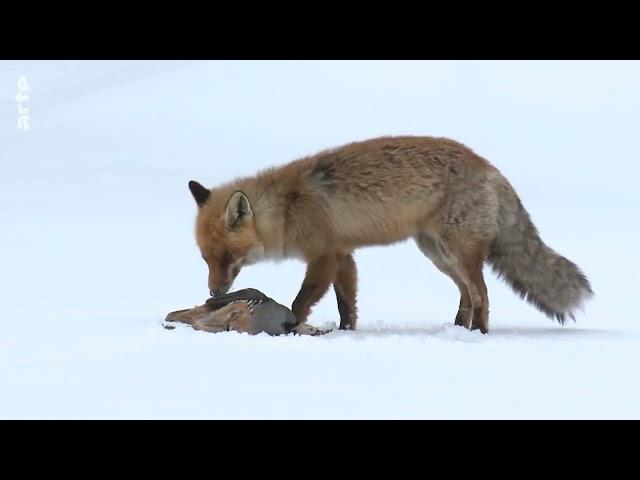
247,310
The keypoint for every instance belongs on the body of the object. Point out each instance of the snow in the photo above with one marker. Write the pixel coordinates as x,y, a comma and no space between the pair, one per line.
97,241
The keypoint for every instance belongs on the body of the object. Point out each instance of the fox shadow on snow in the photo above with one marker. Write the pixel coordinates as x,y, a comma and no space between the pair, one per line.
457,333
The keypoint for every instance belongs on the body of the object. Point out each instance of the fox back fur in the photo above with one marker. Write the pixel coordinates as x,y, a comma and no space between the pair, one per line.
458,208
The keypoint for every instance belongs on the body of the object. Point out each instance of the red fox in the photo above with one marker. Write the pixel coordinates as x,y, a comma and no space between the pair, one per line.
458,208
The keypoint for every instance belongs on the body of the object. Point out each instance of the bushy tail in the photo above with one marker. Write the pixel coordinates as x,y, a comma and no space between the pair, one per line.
555,285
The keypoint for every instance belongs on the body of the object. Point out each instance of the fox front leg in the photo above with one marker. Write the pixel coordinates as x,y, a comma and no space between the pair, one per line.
346,286
320,274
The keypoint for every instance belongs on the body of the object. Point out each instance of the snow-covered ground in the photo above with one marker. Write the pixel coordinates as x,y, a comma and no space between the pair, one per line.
96,243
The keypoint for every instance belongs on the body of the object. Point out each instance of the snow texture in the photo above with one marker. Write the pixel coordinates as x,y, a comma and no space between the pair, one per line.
97,245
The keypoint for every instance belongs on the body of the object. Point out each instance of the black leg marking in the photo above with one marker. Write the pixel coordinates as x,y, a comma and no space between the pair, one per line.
345,311
477,323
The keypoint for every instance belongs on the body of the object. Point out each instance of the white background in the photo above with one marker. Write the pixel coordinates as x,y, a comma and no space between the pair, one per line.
96,241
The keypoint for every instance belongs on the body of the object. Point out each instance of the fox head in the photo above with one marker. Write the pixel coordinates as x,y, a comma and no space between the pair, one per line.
226,235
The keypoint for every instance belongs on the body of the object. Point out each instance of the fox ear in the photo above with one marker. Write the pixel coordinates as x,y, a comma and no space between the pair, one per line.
238,210
200,193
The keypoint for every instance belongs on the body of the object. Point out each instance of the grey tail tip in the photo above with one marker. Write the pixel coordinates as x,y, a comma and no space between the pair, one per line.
562,318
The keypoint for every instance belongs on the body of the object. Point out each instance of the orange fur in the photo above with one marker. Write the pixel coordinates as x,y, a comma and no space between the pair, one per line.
377,192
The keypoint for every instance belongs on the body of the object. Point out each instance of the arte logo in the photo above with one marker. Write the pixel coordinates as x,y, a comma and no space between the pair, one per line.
22,97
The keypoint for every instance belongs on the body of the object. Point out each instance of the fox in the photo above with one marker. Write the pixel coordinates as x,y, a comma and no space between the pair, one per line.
459,209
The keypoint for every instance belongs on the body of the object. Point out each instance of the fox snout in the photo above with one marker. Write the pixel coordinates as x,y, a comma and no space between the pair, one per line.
220,283
219,289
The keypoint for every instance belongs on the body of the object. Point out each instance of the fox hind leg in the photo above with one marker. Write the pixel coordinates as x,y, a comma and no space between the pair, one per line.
467,261
479,297
432,248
